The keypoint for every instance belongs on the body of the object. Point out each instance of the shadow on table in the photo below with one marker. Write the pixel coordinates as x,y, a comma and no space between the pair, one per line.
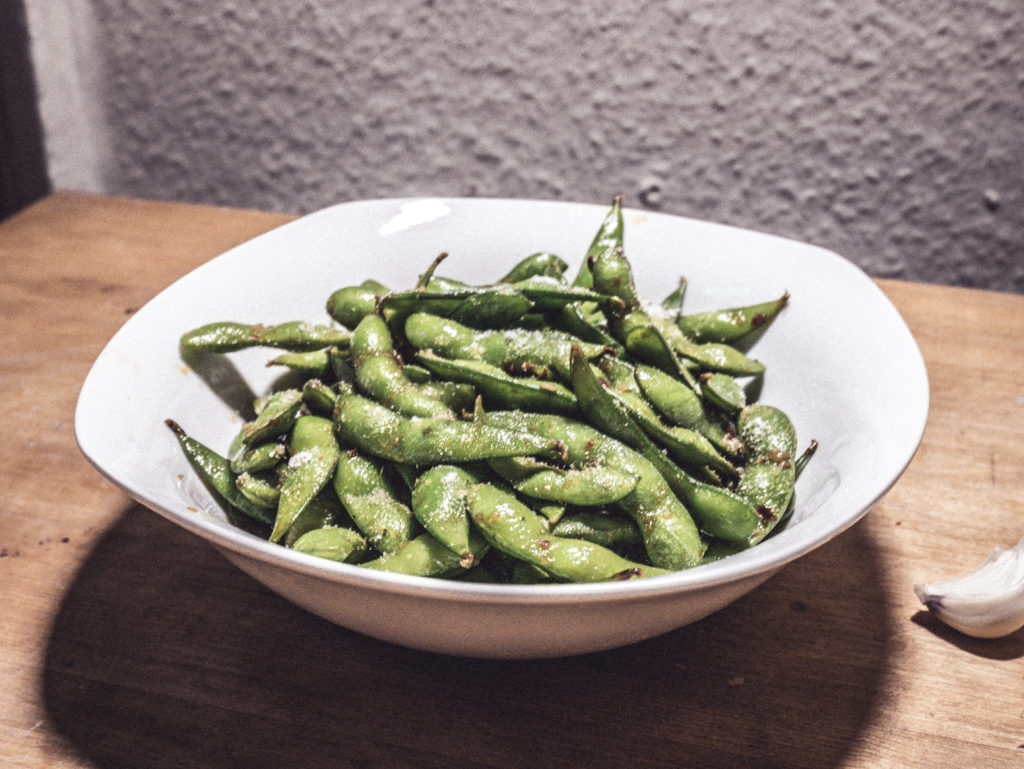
1009,647
163,655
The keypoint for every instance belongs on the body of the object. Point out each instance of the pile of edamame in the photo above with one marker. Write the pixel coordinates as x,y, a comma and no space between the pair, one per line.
531,430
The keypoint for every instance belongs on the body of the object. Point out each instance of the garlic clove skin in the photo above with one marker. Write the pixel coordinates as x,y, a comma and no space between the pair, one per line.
988,602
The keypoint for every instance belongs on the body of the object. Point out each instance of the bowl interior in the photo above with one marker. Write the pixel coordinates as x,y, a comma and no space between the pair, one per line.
840,359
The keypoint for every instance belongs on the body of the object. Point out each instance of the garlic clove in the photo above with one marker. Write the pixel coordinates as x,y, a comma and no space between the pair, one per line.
988,602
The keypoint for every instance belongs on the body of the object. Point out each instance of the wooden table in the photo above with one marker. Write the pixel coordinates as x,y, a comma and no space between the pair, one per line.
125,642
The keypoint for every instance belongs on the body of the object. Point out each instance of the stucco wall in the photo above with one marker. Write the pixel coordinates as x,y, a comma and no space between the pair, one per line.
891,132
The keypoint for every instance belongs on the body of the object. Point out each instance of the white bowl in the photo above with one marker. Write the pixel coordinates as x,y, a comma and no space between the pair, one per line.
840,361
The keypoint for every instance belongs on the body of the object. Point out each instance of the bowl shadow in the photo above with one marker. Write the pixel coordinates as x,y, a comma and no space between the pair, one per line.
162,654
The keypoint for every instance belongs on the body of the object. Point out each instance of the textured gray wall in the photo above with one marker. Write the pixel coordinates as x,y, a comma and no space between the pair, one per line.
891,132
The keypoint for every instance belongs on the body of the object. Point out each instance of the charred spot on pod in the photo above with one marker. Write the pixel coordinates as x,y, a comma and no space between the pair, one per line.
765,513
630,573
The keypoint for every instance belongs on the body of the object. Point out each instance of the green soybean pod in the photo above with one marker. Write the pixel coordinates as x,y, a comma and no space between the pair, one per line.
678,403
334,543
350,304
499,387
736,324
228,336
439,504
258,458
505,348
719,512
542,263
277,414
671,538
215,472
313,456
377,430
586,486
424,556
310,363
514,529
616,532
609,236
769,478
372,502
380,375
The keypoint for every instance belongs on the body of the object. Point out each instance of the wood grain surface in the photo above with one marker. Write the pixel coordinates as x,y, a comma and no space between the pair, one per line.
125,642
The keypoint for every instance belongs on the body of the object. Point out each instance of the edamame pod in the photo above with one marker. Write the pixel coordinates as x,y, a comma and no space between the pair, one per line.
259,490
313,456
497,386
228,336
423,556
513,528
586,486
609,236
258,458
769,477
439,504
718,511
276,416
351,304
723,392
376,430
334,543
541,263
615,532
671,538
679,404
311,363
318,397
511,347
323,510
379,373
732,325
372,502
634,331
215,471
